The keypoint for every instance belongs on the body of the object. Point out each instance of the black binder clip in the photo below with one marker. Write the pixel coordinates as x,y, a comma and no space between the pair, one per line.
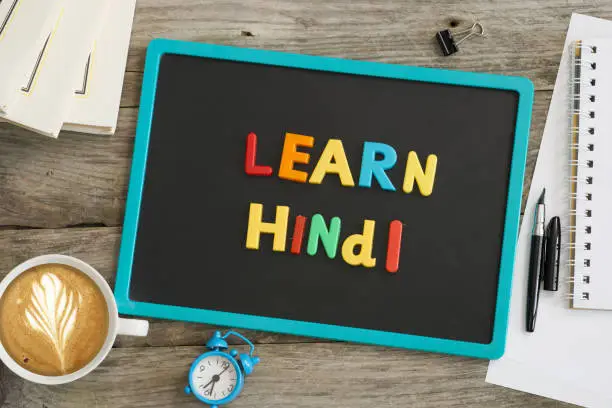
449,41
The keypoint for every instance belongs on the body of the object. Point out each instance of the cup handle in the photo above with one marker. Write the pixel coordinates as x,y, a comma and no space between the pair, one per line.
133,327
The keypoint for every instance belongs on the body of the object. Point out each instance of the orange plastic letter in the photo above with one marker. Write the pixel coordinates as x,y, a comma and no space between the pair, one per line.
291,156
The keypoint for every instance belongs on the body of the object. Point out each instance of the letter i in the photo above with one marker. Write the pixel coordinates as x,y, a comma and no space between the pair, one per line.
394,246
298,234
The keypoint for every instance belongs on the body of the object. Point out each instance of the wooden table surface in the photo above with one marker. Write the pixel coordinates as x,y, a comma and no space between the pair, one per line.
68,196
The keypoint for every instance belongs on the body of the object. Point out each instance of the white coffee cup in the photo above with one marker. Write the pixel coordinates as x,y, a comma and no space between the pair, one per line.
116,325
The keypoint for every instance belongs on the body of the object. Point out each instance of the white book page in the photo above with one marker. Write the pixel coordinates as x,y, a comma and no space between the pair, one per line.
23,28
44,100
593,285
95,103
569,356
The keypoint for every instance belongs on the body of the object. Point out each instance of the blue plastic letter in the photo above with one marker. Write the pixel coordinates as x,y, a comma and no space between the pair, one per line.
372,167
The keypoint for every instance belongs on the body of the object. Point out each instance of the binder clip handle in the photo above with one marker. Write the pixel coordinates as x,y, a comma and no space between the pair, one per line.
449,40
476,29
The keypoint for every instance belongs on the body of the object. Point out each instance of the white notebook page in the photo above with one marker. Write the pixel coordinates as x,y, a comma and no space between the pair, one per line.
23,30
96,108
593,271
44,101
569,356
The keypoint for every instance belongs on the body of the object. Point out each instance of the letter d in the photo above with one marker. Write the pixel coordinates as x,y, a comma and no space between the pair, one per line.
365,241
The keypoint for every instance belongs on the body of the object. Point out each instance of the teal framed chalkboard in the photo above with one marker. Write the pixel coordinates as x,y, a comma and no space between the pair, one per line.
183,252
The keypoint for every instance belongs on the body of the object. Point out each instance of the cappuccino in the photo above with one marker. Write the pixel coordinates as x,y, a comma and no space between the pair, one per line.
54,320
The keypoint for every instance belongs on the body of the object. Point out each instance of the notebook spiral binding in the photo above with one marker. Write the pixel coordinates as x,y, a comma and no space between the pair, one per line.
583,98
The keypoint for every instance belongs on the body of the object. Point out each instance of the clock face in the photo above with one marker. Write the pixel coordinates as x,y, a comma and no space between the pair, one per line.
215,377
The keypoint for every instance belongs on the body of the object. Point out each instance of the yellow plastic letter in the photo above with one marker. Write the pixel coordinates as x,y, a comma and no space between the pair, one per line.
333,151
291,155
278,228
414,171
365,241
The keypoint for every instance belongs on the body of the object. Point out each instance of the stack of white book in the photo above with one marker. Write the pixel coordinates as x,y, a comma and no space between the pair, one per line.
62,63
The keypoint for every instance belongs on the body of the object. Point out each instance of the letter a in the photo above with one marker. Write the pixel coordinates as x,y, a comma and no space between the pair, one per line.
278,228
365,241
333,161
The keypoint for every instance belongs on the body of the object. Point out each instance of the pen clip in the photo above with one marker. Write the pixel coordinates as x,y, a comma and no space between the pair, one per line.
552,255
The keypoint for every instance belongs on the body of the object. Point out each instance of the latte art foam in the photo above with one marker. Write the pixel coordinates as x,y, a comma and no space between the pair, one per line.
52,311
53,320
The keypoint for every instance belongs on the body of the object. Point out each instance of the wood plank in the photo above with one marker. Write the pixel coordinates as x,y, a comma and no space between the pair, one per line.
4,379
524,37
76,179
100,248
82,179
304,375
130,96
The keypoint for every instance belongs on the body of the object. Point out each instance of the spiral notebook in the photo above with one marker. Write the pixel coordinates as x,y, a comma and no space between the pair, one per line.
568,357
590,174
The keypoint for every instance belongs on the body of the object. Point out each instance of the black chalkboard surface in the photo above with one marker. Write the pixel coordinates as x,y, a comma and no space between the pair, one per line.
187,246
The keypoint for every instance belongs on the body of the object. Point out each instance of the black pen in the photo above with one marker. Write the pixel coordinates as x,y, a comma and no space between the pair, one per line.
536,263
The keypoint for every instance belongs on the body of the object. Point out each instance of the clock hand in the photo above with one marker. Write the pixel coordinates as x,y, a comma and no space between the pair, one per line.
226,368
213,387
206,386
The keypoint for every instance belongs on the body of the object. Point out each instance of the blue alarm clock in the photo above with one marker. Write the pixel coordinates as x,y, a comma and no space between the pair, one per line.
216,377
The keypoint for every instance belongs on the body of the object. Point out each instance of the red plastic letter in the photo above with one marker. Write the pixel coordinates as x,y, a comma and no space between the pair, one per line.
298,234
250,167
394,247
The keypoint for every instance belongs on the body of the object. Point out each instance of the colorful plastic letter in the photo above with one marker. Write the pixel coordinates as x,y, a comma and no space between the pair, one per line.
291,155
372,167
298,234
365,241
278,228
328,236
414,171
250,167
333,151
394,246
